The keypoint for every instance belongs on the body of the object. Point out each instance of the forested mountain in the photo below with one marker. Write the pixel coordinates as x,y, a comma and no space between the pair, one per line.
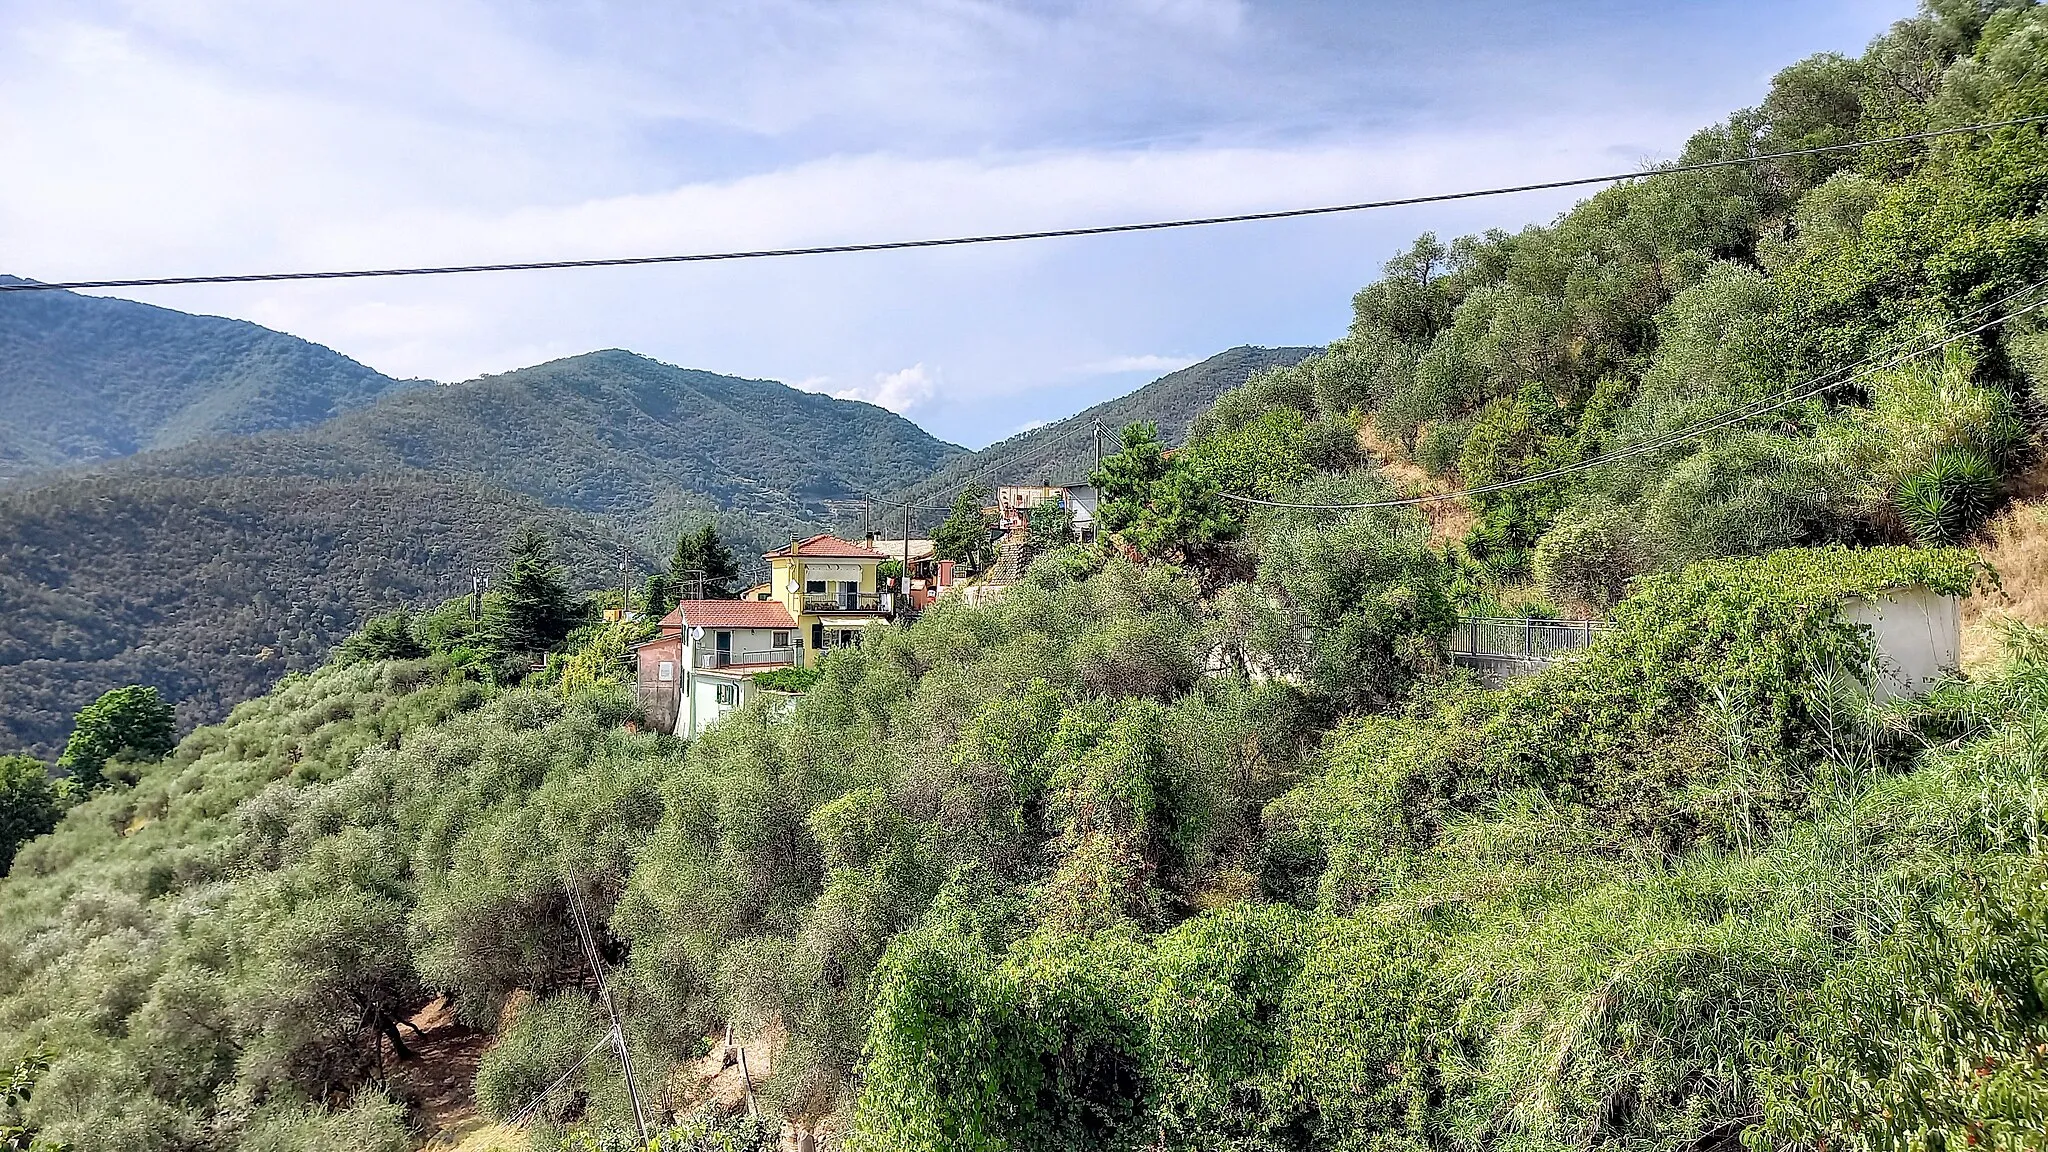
612,433
1064,450
85,379
211,569
211,589
1194,837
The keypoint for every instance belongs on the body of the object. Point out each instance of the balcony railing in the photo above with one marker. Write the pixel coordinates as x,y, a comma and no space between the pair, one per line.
815,605
785,655
1488,638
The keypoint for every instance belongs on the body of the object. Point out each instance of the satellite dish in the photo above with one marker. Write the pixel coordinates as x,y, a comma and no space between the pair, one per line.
696,633
792,585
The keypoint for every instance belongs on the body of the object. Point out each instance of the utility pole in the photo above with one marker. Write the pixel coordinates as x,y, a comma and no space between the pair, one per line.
604,990
625,587
1098,445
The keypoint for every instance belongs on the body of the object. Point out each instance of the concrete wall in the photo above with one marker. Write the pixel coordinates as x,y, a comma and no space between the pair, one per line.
1918,637
661,698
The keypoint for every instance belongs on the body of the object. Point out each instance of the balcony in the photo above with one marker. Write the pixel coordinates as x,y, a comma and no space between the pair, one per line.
1503,649
846,603
756,658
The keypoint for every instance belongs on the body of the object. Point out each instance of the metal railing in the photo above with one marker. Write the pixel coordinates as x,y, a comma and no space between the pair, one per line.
1526,639
785,655
862,602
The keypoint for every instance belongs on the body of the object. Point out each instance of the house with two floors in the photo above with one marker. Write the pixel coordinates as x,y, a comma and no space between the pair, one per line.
822,593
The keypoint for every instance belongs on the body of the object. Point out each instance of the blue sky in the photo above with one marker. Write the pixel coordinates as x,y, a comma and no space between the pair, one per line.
194,136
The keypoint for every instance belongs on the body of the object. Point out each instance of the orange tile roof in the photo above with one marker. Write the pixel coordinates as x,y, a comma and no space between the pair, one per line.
826,546
728,614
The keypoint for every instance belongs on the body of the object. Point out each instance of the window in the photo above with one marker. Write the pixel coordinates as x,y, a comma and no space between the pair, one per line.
728,694
665,671
817,586
782,639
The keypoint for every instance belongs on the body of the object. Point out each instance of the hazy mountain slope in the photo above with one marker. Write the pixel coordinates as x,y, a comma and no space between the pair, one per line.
211,589
1063,451
85,379
607,432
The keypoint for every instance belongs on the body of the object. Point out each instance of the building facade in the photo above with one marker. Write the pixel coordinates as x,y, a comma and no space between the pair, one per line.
831,590
702,662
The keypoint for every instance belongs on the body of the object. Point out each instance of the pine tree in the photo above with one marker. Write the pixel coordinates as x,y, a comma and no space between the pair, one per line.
702,555
533,609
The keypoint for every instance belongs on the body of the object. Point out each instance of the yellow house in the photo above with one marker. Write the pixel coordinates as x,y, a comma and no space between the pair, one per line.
830,588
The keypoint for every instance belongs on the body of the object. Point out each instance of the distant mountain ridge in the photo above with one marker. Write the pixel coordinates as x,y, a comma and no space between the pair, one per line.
87,379
612,433
1063,452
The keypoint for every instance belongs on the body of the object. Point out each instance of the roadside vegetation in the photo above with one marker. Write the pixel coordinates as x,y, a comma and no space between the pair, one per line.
1195,838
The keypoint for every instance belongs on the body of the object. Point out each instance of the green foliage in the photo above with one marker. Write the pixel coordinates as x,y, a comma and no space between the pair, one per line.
967,536
792,680
532,610
132,723
1590,556
606,658
1165,506
213,589
1359,604
91,378
1063,452
1048,526
1950,498
387,637
30,804
701,563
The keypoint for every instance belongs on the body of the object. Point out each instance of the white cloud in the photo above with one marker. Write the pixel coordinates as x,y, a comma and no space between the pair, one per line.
1116,365
898,391
144,138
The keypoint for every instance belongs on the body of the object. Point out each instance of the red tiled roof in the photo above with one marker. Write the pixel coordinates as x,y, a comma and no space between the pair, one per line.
729,614
827,546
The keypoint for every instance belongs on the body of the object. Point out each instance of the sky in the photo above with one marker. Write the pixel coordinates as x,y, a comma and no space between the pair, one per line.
175,137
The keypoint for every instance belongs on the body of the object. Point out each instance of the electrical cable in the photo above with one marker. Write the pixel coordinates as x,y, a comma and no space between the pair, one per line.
1780,400
1010,237
541,1098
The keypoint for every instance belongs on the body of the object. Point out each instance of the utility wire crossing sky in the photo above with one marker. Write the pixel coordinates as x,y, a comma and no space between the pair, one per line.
1008,237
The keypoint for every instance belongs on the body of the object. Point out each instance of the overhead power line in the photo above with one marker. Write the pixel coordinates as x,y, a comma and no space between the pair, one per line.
1008,237
1760,407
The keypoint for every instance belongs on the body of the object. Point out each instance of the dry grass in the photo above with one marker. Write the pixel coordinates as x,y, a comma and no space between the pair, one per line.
2016,544
1448,519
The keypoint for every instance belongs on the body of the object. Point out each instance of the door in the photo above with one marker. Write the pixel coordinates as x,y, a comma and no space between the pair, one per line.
724,649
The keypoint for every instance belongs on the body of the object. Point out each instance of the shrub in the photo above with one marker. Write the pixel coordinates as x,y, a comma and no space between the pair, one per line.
1948,500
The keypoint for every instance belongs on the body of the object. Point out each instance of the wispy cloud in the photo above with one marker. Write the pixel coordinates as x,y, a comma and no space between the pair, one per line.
1116,365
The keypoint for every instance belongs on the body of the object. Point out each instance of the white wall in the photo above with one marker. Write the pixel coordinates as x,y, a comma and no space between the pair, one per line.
749,645
705,690
1918,637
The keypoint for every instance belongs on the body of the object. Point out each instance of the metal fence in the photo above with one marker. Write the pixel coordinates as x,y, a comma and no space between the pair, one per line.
1527,639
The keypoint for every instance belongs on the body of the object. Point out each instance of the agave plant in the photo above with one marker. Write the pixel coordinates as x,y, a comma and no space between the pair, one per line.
1946,501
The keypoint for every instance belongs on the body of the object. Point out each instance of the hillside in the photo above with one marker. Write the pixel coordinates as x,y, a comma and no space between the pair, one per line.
211,589
1197,836
90,379
180,568
610,433
1064,451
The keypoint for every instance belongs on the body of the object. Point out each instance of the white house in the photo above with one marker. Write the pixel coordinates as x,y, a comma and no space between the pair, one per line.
701,664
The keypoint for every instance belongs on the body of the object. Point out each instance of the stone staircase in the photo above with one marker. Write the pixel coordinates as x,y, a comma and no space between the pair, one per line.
1009,565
